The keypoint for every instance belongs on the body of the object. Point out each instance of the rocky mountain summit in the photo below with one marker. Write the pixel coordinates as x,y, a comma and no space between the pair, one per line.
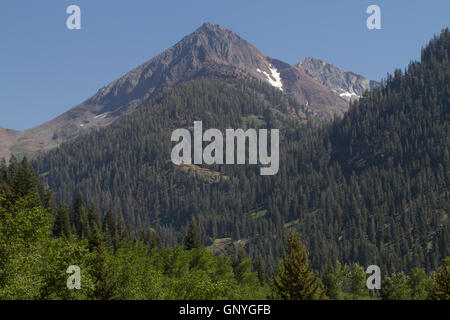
348,85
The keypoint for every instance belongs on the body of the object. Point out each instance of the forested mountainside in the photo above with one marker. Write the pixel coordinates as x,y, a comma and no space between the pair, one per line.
40,242
127,168
370,188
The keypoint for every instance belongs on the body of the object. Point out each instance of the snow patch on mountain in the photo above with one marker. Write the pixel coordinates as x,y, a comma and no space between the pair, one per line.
350,95
101,116
274,78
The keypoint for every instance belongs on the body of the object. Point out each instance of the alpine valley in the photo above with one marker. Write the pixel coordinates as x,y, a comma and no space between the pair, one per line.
364,166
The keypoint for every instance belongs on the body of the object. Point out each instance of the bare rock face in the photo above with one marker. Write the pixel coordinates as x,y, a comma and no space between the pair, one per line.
348,85
208,51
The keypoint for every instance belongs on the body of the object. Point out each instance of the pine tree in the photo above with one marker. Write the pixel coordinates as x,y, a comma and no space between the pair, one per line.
108,221
93,217
295,280
23,182
3,169
122,230
260,269
106,284
110,230
80,217
61,226
192,240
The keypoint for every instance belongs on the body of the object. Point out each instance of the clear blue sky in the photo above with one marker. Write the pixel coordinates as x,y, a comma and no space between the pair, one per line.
46,69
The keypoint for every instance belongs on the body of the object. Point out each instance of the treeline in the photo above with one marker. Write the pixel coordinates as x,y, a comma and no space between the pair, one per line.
39,241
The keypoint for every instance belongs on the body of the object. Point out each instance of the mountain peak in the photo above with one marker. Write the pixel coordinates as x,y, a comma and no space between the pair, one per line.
209,29
348,85
210,35
312,59
210,26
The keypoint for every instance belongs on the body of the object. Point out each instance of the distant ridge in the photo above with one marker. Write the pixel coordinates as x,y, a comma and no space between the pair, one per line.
348,85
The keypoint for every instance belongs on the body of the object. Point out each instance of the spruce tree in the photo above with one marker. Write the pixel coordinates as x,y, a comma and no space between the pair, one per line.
3,169
192,240
93,217
122,229
110,230
260,269
295,280
24,180
106,284
61,226
80,218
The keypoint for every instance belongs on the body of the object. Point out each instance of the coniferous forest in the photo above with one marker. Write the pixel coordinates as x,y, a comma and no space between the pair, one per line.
370,188
40,239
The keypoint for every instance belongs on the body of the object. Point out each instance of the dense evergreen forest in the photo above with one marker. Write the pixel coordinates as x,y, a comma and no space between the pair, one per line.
39,240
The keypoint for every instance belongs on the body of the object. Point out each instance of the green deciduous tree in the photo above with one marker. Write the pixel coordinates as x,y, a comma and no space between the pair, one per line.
396,287
334,280
442,281
358,282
